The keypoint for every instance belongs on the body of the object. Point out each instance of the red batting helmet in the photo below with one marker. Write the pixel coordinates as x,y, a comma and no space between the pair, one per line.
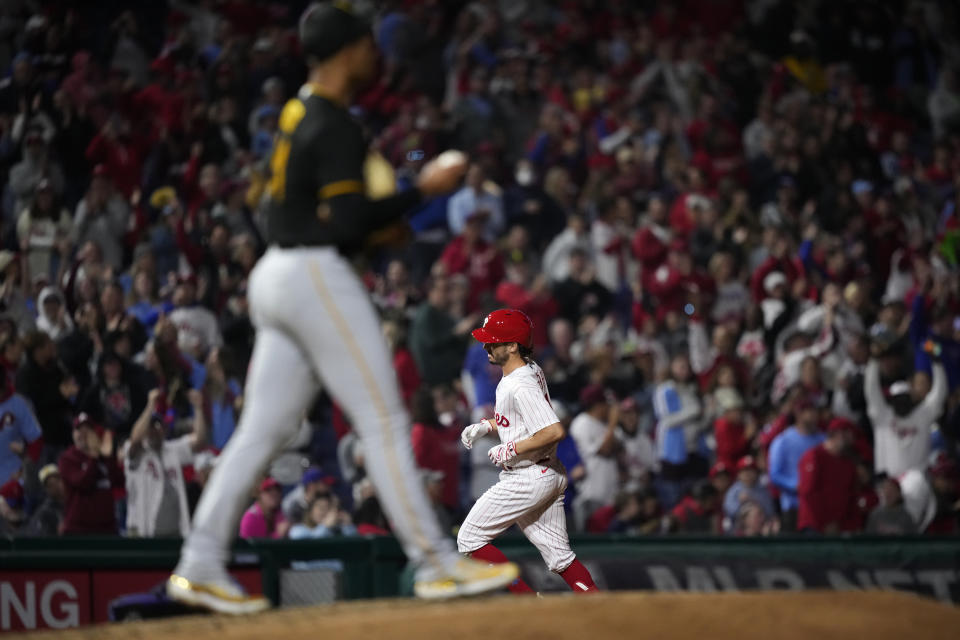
506,325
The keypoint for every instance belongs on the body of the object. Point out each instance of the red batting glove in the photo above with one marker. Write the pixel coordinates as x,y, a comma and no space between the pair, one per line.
502,453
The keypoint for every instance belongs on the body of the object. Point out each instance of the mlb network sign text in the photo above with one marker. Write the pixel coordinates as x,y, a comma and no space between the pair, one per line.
44,600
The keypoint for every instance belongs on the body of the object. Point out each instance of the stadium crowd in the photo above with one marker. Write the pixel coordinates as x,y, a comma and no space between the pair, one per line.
734,225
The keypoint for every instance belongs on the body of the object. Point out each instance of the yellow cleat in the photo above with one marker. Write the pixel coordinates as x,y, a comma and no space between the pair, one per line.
466,578
221,596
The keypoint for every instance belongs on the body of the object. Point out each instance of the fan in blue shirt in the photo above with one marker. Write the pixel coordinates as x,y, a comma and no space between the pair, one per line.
747,489
787,449
17,424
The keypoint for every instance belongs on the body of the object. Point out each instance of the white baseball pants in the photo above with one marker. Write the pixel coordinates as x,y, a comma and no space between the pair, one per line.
315,324
532,498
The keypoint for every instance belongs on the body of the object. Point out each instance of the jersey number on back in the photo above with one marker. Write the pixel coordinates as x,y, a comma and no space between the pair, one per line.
290,117
543,388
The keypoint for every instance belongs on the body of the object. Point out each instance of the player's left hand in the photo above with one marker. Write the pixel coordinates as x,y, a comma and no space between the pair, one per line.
502,453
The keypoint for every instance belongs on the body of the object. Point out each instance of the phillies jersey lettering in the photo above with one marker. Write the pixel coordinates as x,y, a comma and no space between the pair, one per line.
169,473
906,432
523,408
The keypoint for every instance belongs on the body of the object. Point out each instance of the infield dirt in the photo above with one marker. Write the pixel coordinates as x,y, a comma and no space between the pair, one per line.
813,615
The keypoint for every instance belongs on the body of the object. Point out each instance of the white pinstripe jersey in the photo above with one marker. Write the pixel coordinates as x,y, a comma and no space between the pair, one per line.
523,408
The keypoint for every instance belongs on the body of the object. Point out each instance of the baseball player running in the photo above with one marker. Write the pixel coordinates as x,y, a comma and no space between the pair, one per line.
316,325
531,486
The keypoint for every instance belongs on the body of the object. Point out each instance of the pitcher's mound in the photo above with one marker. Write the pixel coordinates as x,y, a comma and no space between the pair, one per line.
812,615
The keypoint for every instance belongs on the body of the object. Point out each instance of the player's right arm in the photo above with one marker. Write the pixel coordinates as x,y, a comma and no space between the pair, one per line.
544,437
352,216
539,417
541,439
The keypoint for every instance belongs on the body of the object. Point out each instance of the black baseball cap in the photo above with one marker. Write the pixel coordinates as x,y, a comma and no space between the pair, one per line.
326,28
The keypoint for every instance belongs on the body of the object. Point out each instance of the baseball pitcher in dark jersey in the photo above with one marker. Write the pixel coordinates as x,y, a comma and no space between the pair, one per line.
317,326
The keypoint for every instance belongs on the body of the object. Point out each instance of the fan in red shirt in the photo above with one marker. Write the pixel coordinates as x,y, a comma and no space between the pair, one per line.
160,99
697,512
408,376
652,239
732,433
682,219
945,481
118,148
779,260
436,447
675,282
90,473
517,291
827,487
939,171
474,257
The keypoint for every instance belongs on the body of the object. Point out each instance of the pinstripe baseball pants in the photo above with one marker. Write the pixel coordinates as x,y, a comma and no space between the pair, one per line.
316,325
532,498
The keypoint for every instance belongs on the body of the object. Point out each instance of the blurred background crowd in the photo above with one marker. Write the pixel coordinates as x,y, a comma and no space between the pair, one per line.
734,224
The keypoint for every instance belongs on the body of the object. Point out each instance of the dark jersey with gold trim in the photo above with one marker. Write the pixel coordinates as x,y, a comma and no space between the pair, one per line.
320,183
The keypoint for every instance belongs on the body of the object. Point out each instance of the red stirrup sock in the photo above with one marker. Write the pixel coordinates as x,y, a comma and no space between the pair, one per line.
493,555
577,576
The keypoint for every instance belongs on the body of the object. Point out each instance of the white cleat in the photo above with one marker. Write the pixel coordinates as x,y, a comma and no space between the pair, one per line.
220,595
467,577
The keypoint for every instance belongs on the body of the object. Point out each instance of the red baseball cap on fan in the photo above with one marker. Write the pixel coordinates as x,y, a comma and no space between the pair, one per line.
717,469
83,419
506,325
592,395
12,492
842,424
269,483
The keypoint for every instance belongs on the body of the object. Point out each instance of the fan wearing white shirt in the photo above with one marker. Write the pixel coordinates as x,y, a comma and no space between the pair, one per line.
594,431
